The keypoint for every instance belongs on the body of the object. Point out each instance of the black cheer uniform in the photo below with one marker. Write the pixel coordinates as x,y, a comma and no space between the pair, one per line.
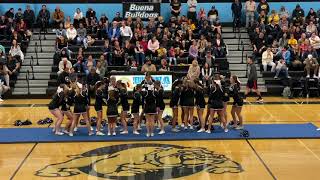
80,103
56,101
68,101
225,88
159,99
112,104
150,106
234,92
175,97
187,97
200,101
99,100
124,99
215,97
137,101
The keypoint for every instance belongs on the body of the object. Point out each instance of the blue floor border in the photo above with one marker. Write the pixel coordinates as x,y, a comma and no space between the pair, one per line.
257,131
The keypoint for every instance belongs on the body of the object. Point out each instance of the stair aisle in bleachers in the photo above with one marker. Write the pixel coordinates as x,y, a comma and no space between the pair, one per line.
37,65
236,43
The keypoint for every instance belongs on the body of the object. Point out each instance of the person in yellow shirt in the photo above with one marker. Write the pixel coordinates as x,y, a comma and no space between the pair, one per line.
162,52
292,42
274,17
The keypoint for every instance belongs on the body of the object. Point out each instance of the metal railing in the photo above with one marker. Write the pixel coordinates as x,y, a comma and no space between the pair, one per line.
246,66
242,51
31,65
36,52
28,81
239,40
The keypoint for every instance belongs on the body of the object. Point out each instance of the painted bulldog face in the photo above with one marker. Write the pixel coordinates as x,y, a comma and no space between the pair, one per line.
148,161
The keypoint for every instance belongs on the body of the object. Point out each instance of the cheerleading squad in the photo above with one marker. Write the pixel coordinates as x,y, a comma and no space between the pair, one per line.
186,93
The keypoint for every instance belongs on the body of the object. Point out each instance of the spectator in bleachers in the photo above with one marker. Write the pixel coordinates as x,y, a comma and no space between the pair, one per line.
192,11
67,22
274,17
89,64
78,18
3,27
114,32
90,15
312,16
267,60
263,19
15,50
175,8
272,30
4,74
282,67
311,28
125,32
13,65
63,64
21,28
311,51
92,78
128,51
19,15
283,22
43,17
71,34
284,13
259,45
292,42
164,65
311,65
209,59
213,15
153,46
10,13
118,18
250,8
139,53
161,23
172,56
60,31
206,73
148,66
162,52
118,54
61,43
283,41
236,8
298,15
315,42
303,46
3,86
263,6
81,36
2,52
194,70
101,66
193,51
29,17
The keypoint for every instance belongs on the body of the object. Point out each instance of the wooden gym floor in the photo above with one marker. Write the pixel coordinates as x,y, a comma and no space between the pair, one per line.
197,160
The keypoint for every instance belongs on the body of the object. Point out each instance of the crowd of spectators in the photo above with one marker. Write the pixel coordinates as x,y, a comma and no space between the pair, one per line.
283,40
152,45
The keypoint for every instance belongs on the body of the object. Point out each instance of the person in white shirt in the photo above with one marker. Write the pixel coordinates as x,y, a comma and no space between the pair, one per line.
192,14
250,8
125,32
64,63
206,73
71,33
77,17
267,60
153,46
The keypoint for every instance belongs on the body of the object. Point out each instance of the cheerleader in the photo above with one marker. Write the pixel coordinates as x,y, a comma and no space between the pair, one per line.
123,94
55,103
187,98
150,107
200,103
135,106
234,91
80,109
216,104
226,97
98,106
66,110
174,101
160,104
112,110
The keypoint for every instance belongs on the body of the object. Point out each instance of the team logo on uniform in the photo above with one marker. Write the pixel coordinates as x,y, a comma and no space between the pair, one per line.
142,161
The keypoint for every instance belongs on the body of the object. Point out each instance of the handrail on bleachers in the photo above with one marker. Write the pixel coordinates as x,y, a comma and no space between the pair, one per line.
32,64
36,52
28,79
242,52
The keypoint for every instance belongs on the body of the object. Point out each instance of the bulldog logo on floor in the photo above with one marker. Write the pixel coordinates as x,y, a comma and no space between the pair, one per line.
143,161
